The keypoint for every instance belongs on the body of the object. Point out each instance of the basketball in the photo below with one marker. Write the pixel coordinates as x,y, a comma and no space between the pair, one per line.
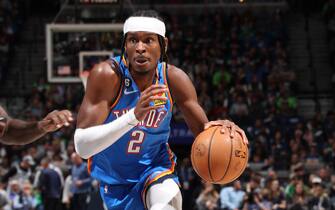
217,158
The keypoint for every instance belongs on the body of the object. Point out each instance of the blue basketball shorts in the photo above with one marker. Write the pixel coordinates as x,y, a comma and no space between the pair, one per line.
132,196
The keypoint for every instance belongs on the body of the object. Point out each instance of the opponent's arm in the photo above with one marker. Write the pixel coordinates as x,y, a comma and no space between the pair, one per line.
19,132
102,87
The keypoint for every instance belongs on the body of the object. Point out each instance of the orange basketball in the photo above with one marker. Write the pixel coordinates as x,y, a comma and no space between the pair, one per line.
217,158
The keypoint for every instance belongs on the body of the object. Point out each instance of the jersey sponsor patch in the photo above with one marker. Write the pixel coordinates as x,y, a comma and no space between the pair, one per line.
160,102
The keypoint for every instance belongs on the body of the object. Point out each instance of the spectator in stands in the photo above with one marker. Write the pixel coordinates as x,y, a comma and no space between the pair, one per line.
239,108
67,195
332,191
50,185
81,183
279,150
260,201
20,172
208,198
231,197
4,198
299,198
277,197
319,198
290,187
253,190
21,195
186,177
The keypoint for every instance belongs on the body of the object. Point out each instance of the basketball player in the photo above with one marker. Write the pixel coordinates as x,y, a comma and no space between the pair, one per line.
19,132
123,122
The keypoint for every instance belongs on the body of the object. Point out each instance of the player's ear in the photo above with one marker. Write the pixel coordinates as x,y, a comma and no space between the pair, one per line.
166,43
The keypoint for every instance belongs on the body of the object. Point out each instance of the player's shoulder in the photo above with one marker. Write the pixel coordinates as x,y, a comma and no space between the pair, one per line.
104,73
175,72
105,68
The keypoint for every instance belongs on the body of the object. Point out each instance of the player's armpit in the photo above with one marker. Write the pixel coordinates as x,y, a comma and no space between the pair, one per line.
184,94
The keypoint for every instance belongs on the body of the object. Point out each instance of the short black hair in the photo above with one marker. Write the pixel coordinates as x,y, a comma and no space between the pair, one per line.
153,14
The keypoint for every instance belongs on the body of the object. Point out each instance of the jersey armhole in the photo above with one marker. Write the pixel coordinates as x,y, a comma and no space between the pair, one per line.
166,81
116,68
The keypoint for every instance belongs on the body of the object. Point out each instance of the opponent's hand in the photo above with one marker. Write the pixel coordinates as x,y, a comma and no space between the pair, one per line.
3,125
228,126
55,120
150,94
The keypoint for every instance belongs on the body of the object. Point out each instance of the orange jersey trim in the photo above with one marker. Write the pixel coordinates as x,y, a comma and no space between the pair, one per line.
118,96
89,165
124,61
167,85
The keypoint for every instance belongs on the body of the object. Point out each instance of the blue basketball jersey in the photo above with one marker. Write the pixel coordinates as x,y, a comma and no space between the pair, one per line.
145,146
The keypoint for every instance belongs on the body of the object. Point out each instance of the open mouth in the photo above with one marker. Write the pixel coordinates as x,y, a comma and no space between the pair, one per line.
141,61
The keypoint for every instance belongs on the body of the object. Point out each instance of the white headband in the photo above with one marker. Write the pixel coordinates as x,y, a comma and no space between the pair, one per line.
147,24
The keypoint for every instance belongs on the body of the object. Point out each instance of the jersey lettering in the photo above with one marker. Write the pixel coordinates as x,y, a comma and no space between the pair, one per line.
152,119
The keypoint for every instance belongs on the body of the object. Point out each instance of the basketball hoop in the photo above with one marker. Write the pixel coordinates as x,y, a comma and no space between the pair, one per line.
83,77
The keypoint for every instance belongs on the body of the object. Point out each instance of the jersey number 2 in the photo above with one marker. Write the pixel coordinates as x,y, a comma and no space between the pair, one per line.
134,145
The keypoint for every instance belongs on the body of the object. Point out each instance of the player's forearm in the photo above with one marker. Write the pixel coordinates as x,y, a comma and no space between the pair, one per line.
194,116
20,132
92,140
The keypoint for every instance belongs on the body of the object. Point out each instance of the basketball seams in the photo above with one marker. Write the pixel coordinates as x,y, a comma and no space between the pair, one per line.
209,154
192,158
218,168
230,156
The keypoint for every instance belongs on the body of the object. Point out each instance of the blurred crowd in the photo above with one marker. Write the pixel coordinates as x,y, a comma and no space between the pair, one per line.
329,18
238,63
240,68
10,23
264,192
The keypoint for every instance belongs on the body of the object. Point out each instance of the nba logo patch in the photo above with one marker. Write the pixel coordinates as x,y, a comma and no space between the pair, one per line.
160,102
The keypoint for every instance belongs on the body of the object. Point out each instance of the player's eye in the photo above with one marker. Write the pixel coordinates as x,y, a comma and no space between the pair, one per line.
149,40
132,40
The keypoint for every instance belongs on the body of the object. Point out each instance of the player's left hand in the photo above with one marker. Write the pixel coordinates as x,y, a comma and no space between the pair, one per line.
228,126
55,120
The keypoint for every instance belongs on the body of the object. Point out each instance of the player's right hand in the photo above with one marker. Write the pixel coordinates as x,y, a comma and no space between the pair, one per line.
150,94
